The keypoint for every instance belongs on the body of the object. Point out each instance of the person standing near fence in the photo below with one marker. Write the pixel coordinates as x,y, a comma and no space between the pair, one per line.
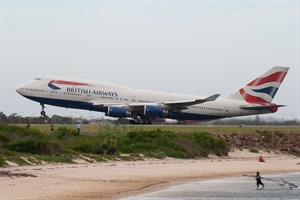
78,126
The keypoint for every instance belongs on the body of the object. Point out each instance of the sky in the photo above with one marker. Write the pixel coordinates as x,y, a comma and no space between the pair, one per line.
190,47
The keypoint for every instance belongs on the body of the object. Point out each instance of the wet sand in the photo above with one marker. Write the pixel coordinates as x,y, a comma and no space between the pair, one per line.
116,179
237,188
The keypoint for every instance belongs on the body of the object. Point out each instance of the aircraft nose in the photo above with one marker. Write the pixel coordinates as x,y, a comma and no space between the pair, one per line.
19,89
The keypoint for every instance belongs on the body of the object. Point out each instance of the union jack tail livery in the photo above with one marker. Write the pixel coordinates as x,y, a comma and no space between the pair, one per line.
262,89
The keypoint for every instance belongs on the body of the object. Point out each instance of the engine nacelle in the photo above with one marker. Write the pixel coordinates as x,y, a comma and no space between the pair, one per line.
155,111
114,111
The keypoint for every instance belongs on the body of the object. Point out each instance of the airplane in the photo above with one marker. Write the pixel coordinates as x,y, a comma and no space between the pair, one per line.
143,106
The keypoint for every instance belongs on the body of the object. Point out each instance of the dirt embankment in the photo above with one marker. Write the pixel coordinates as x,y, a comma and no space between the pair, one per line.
288,142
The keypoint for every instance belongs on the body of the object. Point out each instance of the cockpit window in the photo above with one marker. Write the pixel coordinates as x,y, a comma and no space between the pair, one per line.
37,79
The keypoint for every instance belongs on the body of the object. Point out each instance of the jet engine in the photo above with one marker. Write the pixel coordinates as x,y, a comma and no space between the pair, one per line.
114,111
155,111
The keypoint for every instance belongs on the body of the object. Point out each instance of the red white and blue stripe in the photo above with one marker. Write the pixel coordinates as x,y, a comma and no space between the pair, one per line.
53,84
263,89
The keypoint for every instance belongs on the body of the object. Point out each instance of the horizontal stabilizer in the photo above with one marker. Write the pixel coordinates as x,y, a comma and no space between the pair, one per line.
260,107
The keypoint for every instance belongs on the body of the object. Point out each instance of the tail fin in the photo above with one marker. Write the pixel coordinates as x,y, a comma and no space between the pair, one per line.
262,89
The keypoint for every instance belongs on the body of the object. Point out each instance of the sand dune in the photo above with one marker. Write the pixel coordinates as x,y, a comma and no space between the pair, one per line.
112,180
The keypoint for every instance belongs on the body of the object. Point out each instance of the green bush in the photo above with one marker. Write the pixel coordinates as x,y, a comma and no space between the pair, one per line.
4,138
254,150
176,154
188,145
266,135
65,133
111,150
35,147
96,149
2,161
18,130
64,143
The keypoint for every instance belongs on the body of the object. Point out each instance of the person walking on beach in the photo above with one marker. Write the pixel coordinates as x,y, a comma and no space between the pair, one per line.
258,180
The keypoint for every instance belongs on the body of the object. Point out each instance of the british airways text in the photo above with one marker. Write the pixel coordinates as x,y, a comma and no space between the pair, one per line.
91,92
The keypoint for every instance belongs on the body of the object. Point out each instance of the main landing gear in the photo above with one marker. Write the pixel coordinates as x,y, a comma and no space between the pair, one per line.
139,122
43,113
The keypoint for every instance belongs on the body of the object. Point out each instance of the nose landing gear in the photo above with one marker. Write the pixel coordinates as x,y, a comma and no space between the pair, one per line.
43,113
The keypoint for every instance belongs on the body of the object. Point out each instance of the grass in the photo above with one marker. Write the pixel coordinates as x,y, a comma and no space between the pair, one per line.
109,143
95,129
160,143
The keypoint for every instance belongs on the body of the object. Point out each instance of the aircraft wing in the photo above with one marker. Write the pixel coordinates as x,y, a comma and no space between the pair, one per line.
171,105
101,104
184,104
138,107
105,105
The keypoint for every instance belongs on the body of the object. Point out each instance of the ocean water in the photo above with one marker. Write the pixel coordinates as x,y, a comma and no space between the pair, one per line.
241,188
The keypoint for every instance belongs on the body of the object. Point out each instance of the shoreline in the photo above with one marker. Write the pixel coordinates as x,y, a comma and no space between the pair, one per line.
232,187
120,179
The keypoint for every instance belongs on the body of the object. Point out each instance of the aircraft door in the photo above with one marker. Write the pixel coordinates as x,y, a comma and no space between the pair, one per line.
51,93
226,110
133,98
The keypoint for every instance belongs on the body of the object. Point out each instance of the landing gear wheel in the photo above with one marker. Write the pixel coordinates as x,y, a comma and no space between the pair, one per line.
43,113
132,121
147,122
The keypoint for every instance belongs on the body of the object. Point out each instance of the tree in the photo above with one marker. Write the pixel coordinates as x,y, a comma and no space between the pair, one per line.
3,117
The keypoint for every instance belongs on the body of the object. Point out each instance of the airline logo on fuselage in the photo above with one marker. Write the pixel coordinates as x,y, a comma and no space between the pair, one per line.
77,90
53,84
91,92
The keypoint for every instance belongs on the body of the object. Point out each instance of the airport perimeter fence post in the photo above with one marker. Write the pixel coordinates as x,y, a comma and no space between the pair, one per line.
255,139
289,141
273,140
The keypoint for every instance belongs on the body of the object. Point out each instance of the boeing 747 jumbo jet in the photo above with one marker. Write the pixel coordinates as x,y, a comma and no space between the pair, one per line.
143,106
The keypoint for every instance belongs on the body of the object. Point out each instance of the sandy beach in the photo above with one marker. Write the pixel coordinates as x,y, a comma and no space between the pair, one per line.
116,179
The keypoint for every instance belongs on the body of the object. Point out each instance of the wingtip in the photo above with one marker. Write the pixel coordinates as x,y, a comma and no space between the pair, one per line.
212,97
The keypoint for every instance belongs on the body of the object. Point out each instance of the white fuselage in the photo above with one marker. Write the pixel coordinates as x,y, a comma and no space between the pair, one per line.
85,94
